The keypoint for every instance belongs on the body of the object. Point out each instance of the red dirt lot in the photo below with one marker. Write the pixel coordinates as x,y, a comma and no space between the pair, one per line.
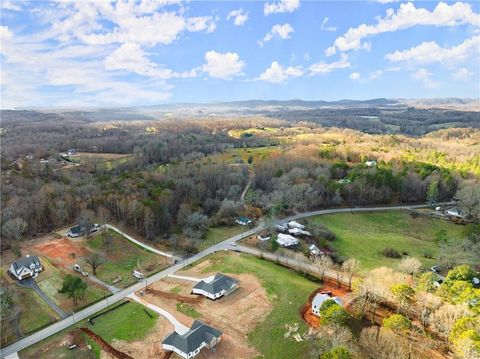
60,250
306,311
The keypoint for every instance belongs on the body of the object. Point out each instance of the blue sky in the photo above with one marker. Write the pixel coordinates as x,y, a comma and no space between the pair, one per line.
125,53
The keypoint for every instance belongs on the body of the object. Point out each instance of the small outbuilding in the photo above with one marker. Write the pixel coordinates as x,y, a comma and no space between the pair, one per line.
216,287
454,212
26,267
299,232
293,224
190,344
319,299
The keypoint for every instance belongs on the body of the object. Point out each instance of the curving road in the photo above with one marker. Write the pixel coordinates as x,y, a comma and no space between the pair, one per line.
224,245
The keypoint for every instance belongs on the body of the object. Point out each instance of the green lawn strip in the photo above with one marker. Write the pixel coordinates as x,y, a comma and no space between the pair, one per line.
128,322
122,257
365,235
287,292
188,310
35,313
176,290
219,234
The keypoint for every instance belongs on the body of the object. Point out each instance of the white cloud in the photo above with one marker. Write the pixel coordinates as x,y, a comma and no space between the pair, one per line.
278,74
462,74
201,23
376,74
223,65
323,68
239,17
408,16
281,6
10,5
281,31
429,52
324,26
425,77
332,50
389,1
354,76
132,58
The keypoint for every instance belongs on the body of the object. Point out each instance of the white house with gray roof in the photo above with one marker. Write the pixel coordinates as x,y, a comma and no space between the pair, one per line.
215,287
26,267
190,344
319,299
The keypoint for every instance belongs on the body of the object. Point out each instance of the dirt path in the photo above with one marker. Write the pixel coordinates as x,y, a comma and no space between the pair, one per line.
180,298
104,345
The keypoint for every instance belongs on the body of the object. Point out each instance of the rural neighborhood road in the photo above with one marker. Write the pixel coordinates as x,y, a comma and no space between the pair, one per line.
224,245
31,283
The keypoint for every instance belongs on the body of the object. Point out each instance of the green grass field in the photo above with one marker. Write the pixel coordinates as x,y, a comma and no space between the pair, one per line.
34,312
188,310
122,258
287,292
218,234
128,322
364,235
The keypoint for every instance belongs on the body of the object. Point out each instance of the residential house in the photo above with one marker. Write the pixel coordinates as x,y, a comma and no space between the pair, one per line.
76,231
319,299
190,344
286,240
244,221
293,224
281,228
26,267
216,286
262,238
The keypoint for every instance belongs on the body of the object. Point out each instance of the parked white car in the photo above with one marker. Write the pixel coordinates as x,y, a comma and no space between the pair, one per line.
137,274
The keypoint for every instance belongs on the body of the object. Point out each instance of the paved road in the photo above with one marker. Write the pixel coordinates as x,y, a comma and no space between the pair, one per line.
32,284
179,327
89,311
141,244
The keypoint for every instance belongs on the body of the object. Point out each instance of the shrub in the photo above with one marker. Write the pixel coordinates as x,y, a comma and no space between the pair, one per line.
327,304
391,253
397,323
335,314
340,352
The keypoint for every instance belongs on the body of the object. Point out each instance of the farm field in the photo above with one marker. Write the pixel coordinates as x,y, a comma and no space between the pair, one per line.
126,324
365,235
122,257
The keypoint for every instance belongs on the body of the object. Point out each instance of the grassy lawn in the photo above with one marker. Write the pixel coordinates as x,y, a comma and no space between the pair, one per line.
287,292
52,283
176,290
188,310
218,234
35,313
364,235
122,258
128,322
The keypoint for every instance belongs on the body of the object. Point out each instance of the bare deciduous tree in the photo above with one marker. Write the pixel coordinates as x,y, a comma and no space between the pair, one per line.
410,265
444,317
94,260
323,262
350,266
